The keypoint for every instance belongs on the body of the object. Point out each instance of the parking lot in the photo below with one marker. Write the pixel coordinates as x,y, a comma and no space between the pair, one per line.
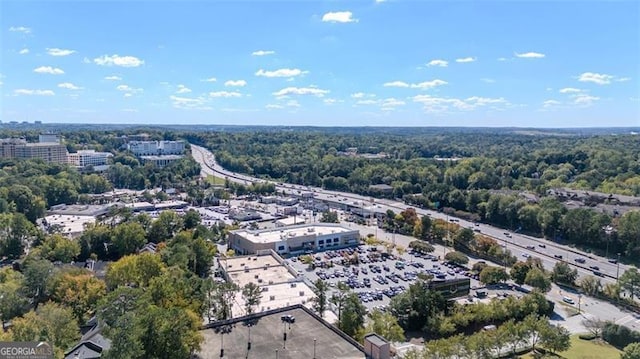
375,275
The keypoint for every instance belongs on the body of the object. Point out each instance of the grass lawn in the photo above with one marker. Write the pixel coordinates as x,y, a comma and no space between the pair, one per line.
586,349
216,181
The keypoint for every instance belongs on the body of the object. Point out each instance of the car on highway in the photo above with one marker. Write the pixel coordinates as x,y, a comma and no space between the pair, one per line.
580,260
531,248
594,267
558,256
541,245
613,260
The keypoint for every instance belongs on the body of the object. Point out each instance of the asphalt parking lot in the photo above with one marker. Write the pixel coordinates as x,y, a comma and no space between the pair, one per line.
378,277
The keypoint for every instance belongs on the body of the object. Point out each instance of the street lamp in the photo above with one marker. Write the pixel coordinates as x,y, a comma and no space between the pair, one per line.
618,270
314,348
608,230
579,302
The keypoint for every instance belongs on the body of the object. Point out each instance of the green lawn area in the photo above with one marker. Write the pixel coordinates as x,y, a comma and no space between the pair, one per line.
216,181
586,349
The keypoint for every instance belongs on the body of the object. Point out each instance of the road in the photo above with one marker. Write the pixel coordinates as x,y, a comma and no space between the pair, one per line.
519,244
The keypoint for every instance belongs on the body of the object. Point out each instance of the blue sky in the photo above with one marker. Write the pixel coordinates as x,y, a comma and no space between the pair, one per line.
326,63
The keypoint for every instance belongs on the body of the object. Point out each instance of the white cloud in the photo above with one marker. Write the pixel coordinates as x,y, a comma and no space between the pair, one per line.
392,102
623,79
187,103
60,52
129,110
22,29
488,80
570,90
69,86
366,102
183,89
466,59
262,53
23,51
442,104
281,73
339,16
396,84
292,103
116,60
429,84
225,94
362,95
502,59
301,91
422,85
600,79
236,83
210,79
551,103
49,70
380,1
330,101
34,92
530,55
274,107
584,99
440,63
113,78
129,91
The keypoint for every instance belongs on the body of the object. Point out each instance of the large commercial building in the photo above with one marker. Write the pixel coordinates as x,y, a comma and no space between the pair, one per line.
294,239
85,158
280,284
160,161
49,149
156,148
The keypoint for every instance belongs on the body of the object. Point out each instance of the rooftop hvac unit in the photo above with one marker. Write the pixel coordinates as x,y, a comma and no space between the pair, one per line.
270,282
310,229
302,293
256,276
272,297
259,280
292,234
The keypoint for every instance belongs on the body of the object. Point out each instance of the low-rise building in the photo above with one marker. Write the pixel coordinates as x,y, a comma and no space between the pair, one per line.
160,161
294,239
156,148
85,158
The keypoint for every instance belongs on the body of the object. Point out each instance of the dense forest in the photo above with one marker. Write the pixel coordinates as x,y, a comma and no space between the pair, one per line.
478,175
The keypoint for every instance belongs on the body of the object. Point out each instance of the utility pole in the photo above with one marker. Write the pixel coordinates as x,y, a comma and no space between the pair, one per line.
618,270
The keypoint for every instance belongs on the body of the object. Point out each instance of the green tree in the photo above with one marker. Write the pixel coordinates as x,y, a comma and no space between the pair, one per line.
223,298
136,270
12,302
191,219
493,275
251,293
457,258
165,226
128,238
555,338
58,248
51,323
321,299
79,291
519,272
338,298
329,217
590,285
352,318
631,351
563,274
385,325
16,232
630,282
629,232
32,206
538,279
463,238
37,273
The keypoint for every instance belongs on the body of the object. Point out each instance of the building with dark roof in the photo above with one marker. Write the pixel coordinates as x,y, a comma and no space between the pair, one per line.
91,345
267,335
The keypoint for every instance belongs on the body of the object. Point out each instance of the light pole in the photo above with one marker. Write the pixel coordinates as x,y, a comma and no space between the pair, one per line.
314,348
579,302
618,270
276,353
608,230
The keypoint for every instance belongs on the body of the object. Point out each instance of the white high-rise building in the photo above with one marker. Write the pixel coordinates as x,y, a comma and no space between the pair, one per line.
85,158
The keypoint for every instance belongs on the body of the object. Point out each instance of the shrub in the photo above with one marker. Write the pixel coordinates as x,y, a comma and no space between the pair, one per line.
587,336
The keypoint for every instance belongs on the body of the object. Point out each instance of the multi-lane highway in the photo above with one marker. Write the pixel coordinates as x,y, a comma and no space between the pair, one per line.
520,245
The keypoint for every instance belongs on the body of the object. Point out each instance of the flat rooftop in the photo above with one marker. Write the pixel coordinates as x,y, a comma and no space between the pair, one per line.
267,336
279,234
79,209
70,224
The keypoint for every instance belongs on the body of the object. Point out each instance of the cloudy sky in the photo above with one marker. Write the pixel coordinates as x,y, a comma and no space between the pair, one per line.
327,63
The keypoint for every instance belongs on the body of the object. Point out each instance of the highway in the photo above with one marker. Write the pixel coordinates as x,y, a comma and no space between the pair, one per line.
520,245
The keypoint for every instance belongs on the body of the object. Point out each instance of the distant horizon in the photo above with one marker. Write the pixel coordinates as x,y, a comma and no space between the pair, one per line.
156,125
322,63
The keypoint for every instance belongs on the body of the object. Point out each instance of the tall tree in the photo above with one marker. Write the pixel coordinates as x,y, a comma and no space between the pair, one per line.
320,300
251,293
385,325
630,282
353,315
